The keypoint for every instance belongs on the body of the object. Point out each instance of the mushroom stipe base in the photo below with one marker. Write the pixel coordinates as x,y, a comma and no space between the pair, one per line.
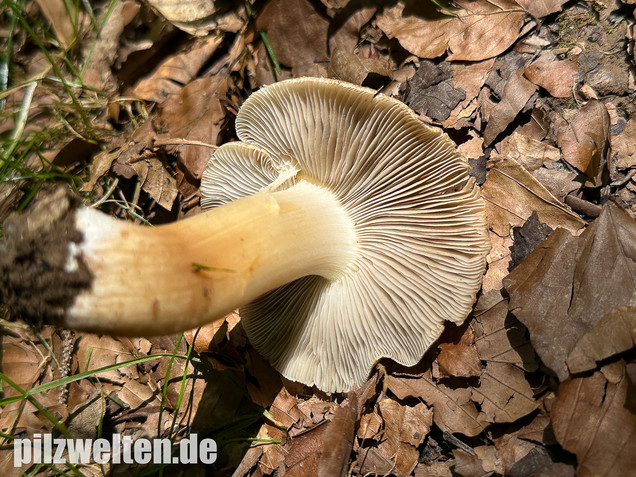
34,260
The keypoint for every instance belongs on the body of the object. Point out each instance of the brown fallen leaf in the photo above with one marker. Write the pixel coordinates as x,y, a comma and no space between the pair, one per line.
499,336
453,410
431,91
196,113
504,394
559,183
371,461
156,180
337,439
584,141
554,75
199,17
512,194
516,93
542,8
98,71
569,283
59,15
498,261
623,151
530,152
476,31
350,67
176,71
590,419
459,359
298,35
527,238
405,429
613,334
470,78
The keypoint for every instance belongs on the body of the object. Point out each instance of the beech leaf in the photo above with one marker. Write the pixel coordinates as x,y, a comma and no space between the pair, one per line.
562,290
590,419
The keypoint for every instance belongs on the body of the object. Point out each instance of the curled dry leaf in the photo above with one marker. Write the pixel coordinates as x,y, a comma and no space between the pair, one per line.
477,31
337,440
590,418
584,141
562,290
613,334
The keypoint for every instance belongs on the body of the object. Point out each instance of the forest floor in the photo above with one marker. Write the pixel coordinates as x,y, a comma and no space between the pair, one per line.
124,101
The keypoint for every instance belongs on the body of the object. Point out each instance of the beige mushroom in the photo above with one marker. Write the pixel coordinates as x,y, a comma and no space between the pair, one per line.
345,228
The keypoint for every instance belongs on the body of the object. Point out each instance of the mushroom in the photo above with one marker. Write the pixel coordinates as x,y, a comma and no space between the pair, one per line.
344,228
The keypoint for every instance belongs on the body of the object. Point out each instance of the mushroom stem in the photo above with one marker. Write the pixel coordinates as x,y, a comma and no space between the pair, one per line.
158,280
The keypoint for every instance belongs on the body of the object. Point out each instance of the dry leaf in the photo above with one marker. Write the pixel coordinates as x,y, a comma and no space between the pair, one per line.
516,93
59,15
477,31
198,17
176,71
195,114
405,429
101,54
372,462
590,419
584,141
499,336
350,67
453,410
527,238
431,91
558,182
298,35
530,152
569,283
498,261
504,394
543,8
512,194
623,150
459,359
337,439
613,334
157,181
554,75
469,78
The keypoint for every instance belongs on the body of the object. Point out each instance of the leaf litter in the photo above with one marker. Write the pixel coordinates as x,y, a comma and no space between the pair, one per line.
539,95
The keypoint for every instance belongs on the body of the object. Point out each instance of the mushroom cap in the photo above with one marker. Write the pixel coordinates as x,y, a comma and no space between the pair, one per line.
419,220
